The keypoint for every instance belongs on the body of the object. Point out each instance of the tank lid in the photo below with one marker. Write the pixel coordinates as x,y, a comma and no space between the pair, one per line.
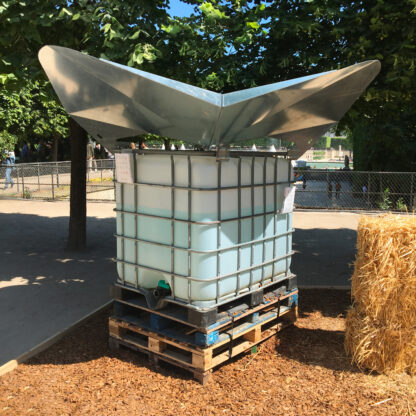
112,101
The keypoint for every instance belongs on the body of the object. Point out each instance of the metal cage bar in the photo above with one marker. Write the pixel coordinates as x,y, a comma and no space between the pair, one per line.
210,279
252,223
217,288
264,217
222,250
172,225
189,162
136,209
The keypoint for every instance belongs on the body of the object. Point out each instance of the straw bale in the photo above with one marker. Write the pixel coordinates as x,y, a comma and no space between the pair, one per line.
384,280
384,349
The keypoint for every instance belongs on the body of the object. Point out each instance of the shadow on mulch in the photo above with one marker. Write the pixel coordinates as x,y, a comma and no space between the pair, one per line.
315,347
89,342
330,303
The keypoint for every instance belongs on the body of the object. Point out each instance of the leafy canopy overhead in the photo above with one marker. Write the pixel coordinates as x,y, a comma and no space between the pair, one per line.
227,45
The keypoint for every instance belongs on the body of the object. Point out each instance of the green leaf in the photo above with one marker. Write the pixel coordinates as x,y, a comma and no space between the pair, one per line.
64,12
253,25
211,12
135,35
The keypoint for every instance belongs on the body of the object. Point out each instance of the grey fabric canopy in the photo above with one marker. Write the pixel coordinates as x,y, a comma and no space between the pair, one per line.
113,101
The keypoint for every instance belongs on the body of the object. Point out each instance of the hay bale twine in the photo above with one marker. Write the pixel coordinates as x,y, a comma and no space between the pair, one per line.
381,326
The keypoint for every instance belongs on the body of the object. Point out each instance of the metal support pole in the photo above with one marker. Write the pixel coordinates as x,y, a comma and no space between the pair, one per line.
18,178
412,181
57,174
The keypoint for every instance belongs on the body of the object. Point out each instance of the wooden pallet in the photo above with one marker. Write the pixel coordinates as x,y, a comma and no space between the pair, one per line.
199,360
167,325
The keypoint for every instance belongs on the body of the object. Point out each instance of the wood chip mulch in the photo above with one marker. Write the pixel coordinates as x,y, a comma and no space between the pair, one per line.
302,371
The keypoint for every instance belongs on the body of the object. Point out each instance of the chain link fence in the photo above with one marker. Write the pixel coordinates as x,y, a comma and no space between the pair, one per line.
52,180
384,191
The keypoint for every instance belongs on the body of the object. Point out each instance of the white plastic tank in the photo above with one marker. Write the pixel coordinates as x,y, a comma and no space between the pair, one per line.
212,229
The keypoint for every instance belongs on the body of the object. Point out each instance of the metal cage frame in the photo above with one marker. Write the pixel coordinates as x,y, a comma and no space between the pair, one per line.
189,302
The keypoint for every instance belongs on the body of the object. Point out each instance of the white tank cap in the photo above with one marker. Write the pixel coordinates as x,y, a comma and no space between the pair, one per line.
163,146
182,147
173,147
254,148
272,148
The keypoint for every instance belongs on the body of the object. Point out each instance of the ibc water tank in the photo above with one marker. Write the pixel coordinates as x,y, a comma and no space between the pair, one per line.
211,229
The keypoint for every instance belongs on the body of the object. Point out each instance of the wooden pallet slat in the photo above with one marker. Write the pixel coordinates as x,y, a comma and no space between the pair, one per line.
200,361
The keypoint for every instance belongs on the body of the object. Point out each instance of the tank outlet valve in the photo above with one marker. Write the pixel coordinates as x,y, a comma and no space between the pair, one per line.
162,290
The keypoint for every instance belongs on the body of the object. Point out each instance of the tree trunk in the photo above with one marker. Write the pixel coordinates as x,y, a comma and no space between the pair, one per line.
54,150
78,202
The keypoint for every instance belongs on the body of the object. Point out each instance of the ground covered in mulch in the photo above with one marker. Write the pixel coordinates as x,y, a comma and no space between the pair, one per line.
302,371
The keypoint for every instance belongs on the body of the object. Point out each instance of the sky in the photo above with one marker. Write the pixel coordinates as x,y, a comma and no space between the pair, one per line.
179,9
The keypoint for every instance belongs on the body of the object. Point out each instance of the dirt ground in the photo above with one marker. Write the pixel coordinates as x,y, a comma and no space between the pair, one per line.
302,371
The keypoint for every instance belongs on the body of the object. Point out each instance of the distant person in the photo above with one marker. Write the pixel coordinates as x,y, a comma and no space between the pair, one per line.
346,162
33,153
8,160
42,151
337,190
16,151
364,191
25,154
329,189
142,144
304,182
99,152
90,155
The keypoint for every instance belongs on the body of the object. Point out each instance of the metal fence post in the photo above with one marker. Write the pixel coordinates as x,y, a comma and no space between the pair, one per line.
17,177
101,169
23,181
381,185
412,181
368,190
53,191
38,177
57,174
327,188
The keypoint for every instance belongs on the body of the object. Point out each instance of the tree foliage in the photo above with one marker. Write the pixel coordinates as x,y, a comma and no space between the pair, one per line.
232,44
125,31
317,35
